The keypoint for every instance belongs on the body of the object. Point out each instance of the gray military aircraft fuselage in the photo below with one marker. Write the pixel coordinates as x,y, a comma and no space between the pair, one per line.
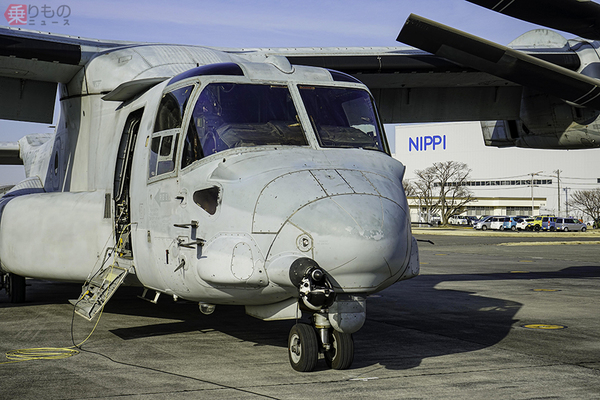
261,184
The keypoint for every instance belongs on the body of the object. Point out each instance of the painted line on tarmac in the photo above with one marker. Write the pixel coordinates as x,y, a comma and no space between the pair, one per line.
543,326
549,243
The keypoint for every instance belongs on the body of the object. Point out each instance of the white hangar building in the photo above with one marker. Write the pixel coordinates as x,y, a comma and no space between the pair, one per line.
500,177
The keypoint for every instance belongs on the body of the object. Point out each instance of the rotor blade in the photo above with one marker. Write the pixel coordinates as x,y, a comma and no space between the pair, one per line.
501,61
580,17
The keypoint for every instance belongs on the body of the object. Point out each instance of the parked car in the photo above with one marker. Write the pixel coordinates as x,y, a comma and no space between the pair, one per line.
459,220
498,223
525,224
511,223
435,220
472,219
483,223
570,224
544,223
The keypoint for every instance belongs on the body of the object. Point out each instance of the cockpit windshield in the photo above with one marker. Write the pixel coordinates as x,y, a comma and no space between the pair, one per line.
343,117
231,115
228,115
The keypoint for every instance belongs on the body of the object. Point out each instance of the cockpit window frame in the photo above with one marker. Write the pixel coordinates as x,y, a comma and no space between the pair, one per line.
175,133
347,85
201,82
241,80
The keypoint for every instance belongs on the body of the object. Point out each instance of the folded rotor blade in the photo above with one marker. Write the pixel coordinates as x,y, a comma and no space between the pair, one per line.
501,61
580,17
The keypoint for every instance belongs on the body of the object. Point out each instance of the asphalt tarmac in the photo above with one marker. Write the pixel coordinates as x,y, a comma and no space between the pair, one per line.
503,316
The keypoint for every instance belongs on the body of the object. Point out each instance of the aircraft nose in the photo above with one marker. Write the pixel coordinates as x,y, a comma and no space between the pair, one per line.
362,241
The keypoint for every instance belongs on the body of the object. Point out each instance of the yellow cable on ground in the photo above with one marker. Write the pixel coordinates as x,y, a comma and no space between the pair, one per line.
41,353
47,353
57,353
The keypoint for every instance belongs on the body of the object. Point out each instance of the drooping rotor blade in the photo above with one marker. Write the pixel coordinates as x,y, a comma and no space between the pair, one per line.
580,17
501,61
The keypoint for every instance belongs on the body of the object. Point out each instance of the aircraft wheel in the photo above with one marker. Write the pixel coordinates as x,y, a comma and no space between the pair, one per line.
16,288
341,353
303,348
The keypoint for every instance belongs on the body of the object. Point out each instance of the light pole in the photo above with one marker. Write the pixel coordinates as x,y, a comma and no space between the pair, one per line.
532,175
558,197
567,199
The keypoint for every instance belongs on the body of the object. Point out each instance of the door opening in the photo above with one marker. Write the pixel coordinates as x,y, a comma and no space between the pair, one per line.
121,184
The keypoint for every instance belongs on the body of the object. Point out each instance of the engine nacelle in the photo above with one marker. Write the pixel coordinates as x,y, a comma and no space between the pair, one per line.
546,122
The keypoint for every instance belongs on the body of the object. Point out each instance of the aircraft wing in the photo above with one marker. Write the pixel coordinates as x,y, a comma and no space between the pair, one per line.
409,85
31,65
412,85
9,154
580,17
501,61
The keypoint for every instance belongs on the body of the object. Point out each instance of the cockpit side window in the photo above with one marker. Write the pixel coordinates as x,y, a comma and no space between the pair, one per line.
343,117
171,109
166,131
228,115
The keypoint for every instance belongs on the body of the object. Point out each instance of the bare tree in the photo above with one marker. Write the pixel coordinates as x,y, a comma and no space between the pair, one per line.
409,188
424,188
442,188
453,194
588,202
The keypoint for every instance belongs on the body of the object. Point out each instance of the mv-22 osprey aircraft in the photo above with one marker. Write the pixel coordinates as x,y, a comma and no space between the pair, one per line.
258,177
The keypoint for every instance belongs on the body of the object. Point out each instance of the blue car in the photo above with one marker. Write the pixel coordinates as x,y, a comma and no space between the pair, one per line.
511,223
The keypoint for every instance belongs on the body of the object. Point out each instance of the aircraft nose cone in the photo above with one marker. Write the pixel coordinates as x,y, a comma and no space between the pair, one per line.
362,241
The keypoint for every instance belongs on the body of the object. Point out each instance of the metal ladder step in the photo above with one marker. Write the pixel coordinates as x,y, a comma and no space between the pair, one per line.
97,291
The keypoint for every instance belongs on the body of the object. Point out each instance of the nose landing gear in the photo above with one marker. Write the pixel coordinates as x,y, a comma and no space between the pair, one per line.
327,334
304,346
341,351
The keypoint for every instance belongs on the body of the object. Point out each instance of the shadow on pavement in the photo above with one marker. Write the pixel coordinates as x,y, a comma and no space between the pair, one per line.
406,323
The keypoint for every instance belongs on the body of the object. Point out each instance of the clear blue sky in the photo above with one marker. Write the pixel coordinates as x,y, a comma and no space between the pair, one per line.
258,23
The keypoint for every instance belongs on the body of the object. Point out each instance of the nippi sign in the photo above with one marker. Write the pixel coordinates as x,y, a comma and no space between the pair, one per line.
424,143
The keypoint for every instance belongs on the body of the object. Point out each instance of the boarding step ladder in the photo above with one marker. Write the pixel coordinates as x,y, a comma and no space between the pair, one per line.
99,289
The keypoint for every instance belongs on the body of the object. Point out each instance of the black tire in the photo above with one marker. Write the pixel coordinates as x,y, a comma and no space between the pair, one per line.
303,349
341,354
484,228
566,229
16,288
583,229
536,228
513,228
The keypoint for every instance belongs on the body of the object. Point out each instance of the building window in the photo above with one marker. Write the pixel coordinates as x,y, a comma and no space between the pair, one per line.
479,211
523,182
513,211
